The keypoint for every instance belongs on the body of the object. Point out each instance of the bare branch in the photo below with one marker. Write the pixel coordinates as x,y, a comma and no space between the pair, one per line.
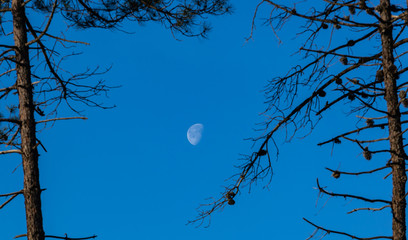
10,199
63,118
10,194
47,60
369,209
69,238
46,26
58,237
10,151
344,233
350,196
10,120
358,173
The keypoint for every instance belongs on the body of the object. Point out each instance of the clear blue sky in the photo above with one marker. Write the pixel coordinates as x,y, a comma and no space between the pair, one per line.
130,173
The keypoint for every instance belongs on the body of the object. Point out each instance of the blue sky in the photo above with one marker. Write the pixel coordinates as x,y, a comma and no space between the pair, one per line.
130,173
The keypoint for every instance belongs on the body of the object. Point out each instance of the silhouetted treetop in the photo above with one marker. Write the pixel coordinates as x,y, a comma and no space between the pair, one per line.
352,59
185,17
37,79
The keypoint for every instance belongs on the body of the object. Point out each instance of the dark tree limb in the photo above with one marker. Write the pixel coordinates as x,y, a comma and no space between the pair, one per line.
58,237
328,231
358,173
70,238
350,196
10,199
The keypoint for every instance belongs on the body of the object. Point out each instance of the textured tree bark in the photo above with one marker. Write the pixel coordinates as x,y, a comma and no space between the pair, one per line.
32,191
399,176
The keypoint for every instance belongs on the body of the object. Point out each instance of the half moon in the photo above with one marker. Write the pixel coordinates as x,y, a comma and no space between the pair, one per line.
194,133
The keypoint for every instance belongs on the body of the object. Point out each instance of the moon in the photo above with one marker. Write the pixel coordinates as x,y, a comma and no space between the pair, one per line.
194,133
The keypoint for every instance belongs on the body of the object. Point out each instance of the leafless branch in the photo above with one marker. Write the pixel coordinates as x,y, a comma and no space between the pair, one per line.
69,238
10,194
328,231
46,26
10,151
322,190
62,118
358,173
10,199
369,209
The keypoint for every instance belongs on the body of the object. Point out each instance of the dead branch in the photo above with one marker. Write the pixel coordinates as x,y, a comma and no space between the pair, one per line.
58,119
369,209
10,151
10,199
10,194
57,237
358,173
293,12
365,141
328,231
47,60
350,196
355,131
64,39
372,118
69,238
46,26
10,120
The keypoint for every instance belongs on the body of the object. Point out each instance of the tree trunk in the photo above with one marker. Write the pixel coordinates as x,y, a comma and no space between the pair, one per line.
399,176
32,190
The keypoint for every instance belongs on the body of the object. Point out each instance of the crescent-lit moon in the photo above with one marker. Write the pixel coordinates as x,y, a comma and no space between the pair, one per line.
195,133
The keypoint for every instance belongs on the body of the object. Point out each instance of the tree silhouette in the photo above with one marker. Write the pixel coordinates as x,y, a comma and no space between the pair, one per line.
35,81
354,53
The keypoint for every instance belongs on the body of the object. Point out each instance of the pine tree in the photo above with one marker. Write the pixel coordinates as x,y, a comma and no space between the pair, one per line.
354,55
29,48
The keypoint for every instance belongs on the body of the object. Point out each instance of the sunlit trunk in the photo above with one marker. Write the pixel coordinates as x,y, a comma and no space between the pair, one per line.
32,191
399,176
